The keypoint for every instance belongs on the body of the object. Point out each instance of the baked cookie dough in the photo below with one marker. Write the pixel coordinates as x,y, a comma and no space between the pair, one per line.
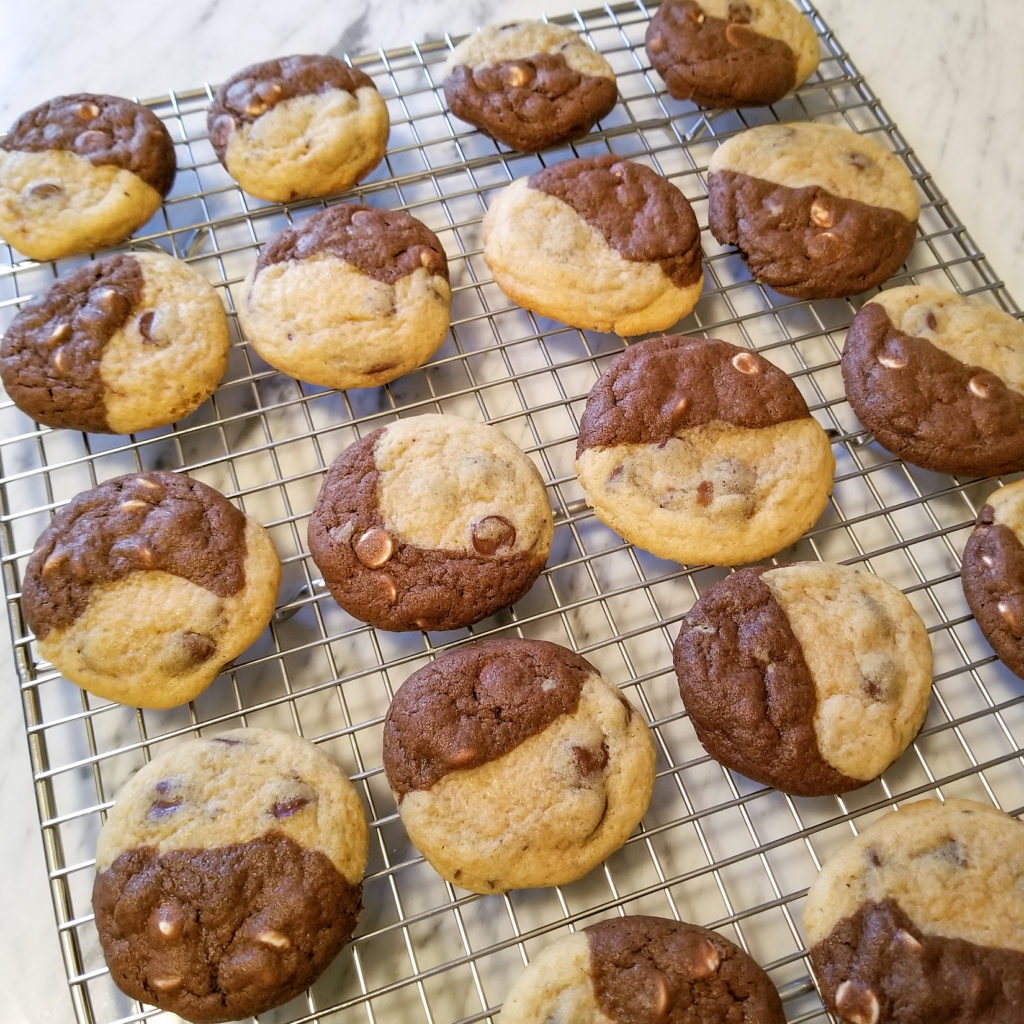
433,522
993,573
528,84
920,919
299,126
938,379
350,297
229,874
124,343
811,677
643,968
818,211
596,242
143,588
81,172
515,764
731,53
702,452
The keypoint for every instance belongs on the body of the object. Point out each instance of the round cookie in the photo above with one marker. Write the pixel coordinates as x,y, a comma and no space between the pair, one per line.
229,874
124,343
640,968
433,522
818,211
80,172
515,764
731,53
702,452
992,573
596,242
938,378
351,297
811,677
920,918
528,84
143,588
298,126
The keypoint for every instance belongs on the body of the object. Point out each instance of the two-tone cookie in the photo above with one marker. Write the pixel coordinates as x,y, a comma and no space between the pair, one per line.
515,764
229,874
143,588
993,573
818,211
702,452
124,343
599,243
350,297
298,126
920,919
642,968
731,53
528,84
811,677
81,172
938,379
433,522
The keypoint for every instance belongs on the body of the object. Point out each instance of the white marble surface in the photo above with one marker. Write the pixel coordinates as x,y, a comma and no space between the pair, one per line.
948,73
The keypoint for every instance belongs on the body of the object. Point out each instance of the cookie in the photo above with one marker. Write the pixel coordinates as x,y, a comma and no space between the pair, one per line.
817,210
229,874
920,918
596,242
731,53
642,968
702,452
143,588
81,172
124,343
938,378
515,764
433,522
810,677
993,573
350,297
528,84
299,126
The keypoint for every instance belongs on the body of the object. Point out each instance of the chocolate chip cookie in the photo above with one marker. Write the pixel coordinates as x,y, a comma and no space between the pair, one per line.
81,172
598,243
702,452
528,84
993,573
351,297
229,874
641,968
938,379
433,522
817,211
124,343
298,126
516,764
731,53
143,588
921,918
811,677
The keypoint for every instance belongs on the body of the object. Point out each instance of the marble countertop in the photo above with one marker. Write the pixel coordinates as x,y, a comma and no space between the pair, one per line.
948,74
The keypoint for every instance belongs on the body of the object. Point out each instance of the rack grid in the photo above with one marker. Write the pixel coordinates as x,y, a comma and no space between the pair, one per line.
714,848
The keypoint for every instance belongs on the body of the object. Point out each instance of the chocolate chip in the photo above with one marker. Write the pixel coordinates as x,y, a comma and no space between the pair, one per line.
146,326
491,534
860,161
286,808
857,1004
198,647
746,362
46,190
705,493
161,808
739,35
930,320
740,12
374,548
590,762
705,960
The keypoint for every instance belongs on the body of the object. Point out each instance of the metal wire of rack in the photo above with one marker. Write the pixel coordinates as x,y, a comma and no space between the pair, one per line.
714,848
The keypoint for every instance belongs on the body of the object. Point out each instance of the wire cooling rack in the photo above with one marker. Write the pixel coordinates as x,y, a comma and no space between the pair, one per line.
714,848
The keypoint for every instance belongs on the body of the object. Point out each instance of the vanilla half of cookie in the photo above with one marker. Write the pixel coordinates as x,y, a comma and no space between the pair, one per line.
921,918
516,764
143,588
702,452
229,874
